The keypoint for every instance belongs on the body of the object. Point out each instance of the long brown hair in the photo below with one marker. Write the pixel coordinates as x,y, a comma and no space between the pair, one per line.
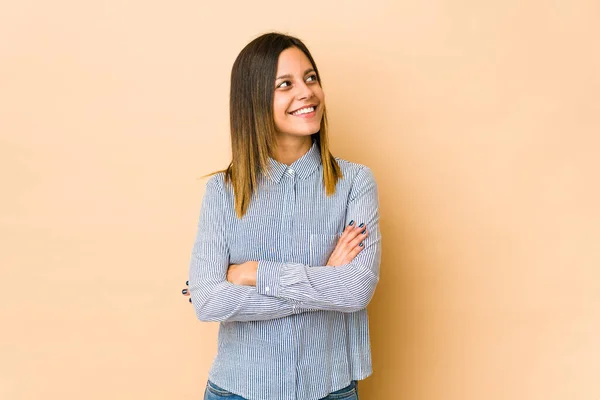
251,118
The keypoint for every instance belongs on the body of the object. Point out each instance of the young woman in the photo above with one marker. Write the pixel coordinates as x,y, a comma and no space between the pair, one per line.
288,247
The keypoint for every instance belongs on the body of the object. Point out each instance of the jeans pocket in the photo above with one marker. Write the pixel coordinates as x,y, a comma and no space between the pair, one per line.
213,391
349,392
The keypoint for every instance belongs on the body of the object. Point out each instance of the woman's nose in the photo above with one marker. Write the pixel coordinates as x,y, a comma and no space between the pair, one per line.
304,91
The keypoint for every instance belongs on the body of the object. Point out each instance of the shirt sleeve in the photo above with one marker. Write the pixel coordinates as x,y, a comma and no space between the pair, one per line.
346,288
213,297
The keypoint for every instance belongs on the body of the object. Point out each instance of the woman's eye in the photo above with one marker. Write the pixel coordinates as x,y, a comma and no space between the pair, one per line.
284,84
312,78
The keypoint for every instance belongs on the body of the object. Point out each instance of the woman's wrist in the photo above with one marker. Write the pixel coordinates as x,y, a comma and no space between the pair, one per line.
251,271
243,274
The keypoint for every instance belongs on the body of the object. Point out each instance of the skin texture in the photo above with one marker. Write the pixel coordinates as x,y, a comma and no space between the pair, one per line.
296,87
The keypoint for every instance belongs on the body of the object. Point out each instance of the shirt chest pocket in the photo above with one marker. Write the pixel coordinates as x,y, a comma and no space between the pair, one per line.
321,247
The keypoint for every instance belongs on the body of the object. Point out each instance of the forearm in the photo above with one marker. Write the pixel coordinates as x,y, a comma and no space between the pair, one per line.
225,301
346,288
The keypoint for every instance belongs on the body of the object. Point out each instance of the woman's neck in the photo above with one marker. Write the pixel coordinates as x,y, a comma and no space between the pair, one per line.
291,149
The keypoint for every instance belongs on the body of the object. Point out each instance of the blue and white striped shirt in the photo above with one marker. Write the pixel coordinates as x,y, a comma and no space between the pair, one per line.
303,331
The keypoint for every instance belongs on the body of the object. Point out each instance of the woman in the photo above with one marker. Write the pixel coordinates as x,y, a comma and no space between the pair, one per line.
287,250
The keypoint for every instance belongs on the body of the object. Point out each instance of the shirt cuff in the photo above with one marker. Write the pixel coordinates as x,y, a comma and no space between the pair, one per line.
267,278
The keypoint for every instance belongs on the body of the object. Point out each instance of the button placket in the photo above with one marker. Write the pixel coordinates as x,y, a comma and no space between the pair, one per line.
289,212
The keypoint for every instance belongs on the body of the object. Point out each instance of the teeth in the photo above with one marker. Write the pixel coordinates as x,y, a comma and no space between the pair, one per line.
304,111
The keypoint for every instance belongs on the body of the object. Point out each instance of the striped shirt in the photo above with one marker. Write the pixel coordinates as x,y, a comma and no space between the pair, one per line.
302,332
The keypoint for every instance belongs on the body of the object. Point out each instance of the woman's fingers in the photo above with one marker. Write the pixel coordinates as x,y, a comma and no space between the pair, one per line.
351,232
349,228
349,244
186,291
354,236
356,245
359,237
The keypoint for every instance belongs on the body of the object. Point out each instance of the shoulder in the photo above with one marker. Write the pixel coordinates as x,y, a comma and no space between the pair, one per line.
217,193
360,176
217,179
215,184
354,171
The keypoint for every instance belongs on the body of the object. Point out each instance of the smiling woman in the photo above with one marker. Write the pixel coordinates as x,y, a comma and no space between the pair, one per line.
278,259
300,111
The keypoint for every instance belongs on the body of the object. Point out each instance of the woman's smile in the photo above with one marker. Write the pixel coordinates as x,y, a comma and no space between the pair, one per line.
298,101
305,112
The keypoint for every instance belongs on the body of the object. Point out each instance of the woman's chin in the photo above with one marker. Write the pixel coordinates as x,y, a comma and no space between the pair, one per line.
305,131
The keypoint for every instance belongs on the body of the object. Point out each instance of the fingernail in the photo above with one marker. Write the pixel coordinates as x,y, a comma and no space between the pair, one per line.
190,299
187,282
351,223
363,232
184,291
362,244
361,225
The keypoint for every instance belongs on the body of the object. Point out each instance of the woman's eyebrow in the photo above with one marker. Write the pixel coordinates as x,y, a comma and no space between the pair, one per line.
287,76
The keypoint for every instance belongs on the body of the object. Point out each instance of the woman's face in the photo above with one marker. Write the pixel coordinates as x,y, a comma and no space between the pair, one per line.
298,101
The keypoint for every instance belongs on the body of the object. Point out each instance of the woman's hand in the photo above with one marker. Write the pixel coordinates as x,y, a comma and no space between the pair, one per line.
243,274
186,291
238,274
348,245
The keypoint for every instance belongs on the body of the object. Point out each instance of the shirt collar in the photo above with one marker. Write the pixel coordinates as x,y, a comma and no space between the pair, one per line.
302,167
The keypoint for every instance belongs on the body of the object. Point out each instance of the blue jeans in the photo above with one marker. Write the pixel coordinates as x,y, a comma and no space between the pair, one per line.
214,392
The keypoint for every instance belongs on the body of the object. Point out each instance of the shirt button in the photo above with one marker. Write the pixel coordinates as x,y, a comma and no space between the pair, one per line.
291,171
267,289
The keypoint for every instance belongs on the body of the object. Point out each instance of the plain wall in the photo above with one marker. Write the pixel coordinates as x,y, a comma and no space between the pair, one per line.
480,121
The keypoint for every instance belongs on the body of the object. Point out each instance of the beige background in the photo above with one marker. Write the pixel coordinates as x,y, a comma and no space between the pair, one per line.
479,119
